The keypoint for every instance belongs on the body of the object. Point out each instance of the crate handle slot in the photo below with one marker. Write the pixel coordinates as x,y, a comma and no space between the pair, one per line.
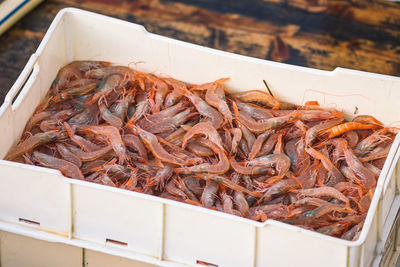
22,78
116,242
29,221
206,263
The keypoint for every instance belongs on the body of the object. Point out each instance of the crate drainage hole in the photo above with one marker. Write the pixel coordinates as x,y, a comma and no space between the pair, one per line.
29,221
206,263
116,242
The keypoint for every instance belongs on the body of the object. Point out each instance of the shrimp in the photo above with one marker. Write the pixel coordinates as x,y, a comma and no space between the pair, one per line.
325,191
279,145
227,203
193,184
209,194
177,93
255,111
204,109
163,175
84,144
335,175
313,132
36,118
200,150
237,136
171,123
260,127
367,176
87,116
204,128
374,155
348,186
73,92
161,89
74,71
351,234
290,150
255,149
281,162
151,142
278,188
110,118
160,116
327,208
369,143
248,136
173,190
228,183
212,99
221,167
310,201
351,138
101,73
142,107
269,144
111,134
106,86
258,96
348,126
332,229
132,141
67,168
33,142
68,155
89,156
367,119
241,204
250,170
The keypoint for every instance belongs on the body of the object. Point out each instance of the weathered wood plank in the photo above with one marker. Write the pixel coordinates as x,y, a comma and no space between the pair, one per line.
358,34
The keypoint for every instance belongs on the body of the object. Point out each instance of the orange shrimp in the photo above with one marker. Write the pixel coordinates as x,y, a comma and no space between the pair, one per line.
84,144
151,142
68,155
204,109
260,127
221,167
111,134
67,168
258,144
312,132
367,176
281,162
367,119
212,99
241,203
325,191
204,128
33,142
335,175
258,96
209,194
250,170
228,183
89,156
348,126
227,203
132,141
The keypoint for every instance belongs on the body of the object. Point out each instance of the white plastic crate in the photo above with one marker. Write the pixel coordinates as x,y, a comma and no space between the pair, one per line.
41,203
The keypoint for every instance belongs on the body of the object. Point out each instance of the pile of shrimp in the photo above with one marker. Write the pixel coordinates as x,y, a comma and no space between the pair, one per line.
246,154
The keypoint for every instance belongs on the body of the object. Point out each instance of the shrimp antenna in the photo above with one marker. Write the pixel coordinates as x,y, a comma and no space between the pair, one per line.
269,90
